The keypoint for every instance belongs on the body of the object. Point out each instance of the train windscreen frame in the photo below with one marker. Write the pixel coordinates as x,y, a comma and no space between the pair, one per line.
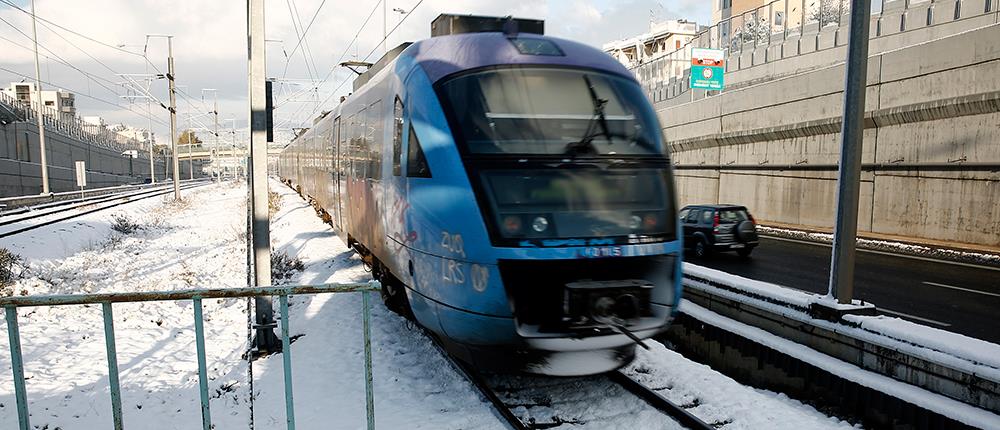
562,161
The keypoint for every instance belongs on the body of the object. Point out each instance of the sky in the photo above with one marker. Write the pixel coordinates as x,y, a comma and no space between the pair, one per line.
210,48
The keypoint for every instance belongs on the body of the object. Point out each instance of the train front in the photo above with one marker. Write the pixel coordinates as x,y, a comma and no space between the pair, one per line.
573,186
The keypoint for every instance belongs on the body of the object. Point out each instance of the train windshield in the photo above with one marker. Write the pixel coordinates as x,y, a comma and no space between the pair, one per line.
544,111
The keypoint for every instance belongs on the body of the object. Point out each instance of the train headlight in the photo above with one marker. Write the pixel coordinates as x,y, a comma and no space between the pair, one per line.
512,224
634,222
540,224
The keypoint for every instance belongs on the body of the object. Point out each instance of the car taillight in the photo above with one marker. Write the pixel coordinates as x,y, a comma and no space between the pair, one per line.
715,223
751,218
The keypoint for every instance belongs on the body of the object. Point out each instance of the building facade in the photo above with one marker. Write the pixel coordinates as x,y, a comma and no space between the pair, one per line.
60,101
661,39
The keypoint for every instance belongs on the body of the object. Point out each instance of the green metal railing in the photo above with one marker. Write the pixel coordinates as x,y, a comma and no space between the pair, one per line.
11,304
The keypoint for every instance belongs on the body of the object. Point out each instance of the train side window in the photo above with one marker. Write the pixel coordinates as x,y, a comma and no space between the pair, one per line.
376,138
416,163
397,138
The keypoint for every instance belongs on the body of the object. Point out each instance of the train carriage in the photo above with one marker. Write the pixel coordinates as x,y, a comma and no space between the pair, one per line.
512,192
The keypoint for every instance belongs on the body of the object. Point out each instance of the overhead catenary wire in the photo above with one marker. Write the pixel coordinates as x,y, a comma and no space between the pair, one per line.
13,72
7,2
332,69
60,59
344,82
293,11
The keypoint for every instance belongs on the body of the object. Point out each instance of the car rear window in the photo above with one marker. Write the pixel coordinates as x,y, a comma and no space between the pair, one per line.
727,216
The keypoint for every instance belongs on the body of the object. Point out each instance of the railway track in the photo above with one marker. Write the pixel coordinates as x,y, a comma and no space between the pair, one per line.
51,213
535,402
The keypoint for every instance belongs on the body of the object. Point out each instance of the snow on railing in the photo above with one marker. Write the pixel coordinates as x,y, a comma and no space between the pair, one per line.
11,304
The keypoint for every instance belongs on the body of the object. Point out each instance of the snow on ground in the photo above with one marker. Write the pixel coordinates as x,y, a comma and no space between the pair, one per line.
178,246
200,244
954,350
68,237
720,399
962,412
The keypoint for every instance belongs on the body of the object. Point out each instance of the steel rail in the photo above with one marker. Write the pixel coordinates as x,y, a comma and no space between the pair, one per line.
470,374
87,212
55,207
659,402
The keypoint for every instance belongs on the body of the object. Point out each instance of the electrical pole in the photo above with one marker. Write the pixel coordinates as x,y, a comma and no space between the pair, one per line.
852,137
191,137
264,341
175,161
39,106
152,160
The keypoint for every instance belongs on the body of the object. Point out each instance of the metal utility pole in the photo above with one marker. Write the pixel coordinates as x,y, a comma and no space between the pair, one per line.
190,135
39,106
260,223
175,161
215,112
152,160
852,136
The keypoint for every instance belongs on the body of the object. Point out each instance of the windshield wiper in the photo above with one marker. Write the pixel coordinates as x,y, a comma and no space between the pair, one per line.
585,145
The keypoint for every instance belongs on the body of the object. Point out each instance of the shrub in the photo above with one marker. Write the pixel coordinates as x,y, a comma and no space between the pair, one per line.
123,224
273,202
10,268
284,267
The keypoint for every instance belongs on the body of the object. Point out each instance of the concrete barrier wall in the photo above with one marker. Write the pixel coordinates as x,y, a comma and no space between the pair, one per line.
933,104
20,171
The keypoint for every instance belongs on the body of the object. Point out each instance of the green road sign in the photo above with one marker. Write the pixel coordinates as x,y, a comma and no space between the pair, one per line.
707,69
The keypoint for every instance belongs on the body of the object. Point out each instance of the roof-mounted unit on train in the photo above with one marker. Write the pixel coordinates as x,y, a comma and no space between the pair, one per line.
447,24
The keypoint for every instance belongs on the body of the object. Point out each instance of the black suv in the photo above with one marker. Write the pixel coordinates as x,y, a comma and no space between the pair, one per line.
714,228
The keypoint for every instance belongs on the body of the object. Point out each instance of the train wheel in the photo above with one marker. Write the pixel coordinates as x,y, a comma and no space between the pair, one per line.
394,294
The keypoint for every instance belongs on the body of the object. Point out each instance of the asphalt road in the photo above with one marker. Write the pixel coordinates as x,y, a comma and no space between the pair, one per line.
951,296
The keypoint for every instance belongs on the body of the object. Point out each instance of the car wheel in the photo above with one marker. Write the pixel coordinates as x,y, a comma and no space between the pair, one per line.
745,253
701,249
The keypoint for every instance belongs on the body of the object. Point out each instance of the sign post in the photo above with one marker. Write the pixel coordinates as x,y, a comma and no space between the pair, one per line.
81,176
707,69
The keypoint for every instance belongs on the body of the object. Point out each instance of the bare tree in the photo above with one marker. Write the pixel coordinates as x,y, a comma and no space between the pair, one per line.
828,11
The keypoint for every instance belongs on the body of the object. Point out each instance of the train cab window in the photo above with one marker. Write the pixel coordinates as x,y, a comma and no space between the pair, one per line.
397,137
416,163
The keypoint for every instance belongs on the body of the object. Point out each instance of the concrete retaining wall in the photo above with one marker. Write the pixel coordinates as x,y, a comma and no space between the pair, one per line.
935,103
20,171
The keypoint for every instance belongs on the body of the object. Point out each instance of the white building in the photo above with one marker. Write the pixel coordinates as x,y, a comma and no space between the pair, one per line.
133,133
62,102
661,39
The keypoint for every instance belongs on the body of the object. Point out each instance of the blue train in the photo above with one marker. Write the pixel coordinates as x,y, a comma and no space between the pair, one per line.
512,192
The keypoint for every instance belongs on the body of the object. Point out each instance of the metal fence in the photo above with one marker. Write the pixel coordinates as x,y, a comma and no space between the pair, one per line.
76,128
764,34
11,304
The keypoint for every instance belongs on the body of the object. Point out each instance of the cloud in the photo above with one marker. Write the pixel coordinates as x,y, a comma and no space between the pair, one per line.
210,50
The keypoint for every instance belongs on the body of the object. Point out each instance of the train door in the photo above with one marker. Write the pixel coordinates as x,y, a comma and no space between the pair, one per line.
395,195
335,174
